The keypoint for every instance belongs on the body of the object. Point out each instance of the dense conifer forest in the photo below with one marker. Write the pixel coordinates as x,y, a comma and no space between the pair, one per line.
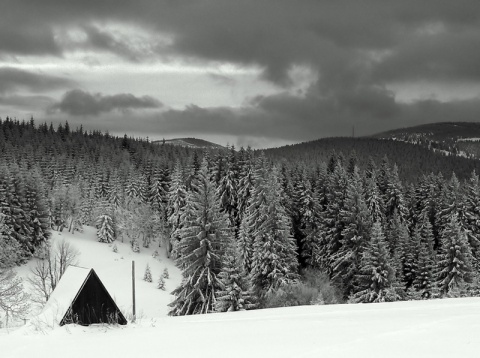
251,228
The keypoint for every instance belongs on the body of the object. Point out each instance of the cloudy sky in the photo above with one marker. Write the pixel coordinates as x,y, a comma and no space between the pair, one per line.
244,72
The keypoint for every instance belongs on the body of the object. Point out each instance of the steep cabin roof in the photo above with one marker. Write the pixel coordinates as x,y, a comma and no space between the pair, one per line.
80,297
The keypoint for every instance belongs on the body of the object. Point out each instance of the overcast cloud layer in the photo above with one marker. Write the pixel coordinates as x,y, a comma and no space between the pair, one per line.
280,70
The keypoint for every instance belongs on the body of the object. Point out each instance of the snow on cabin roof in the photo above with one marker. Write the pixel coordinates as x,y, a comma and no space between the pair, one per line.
61,298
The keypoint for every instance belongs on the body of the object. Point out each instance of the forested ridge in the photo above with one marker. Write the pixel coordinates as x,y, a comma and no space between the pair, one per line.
248,228
412,160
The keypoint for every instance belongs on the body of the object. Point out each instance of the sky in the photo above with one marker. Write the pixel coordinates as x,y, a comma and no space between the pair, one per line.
253,72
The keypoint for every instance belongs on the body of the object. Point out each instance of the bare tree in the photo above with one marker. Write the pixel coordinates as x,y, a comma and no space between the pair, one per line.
47,272
13,301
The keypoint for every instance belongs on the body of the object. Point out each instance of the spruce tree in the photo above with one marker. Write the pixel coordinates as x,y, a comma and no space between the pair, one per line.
176,203
424,273
274,253
147,276
355,220
105,229
331,225
235,293
472,214
376,279
161,283
203,236
454,263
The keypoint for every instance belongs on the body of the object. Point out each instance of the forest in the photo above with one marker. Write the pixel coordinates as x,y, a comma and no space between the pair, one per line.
249,229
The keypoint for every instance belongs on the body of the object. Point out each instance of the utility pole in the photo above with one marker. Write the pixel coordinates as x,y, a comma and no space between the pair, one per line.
133,291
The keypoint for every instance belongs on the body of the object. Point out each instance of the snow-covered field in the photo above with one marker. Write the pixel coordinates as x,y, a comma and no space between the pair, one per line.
437,328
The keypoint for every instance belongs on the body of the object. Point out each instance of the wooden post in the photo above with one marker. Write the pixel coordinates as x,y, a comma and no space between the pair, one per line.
133,291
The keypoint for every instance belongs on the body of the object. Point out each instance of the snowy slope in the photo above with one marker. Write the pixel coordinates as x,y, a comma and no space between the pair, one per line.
437,328
115,271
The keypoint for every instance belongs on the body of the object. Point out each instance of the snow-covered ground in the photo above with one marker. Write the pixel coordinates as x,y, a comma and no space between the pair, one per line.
115,271
437,328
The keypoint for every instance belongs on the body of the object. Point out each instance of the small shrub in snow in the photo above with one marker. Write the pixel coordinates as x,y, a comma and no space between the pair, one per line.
155,254
115,248
161,283
314,289
148,275
165,273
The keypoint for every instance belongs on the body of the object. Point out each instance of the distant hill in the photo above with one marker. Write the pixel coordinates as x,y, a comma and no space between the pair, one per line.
453,138
435,131
189,142
413,160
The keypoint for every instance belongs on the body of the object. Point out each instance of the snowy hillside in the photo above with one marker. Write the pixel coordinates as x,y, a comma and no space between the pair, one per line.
437,328
115,271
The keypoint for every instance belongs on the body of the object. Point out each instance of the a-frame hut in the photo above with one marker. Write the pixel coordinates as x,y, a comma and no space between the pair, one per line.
80,297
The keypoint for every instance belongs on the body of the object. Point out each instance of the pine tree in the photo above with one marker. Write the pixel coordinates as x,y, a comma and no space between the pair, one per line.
395,197
135,246
165,273
332,227
235,294
176,203
404,250
472,214
147,276
454,258
376,280
105,229
203,236
161,283
354,217
245,243
228,189
9,247
424,279
274,260
451,204
251,219
373,199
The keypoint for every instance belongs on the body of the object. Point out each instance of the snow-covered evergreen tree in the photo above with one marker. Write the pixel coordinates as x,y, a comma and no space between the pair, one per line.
472,215
331,226
161,283
147,276
203,236
228,189
373,199
235,293
105,229
454,263
274,253
424,272
395,196
376,280
176,202
355,220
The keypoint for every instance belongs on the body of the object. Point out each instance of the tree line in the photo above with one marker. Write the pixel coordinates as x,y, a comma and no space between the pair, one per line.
246,230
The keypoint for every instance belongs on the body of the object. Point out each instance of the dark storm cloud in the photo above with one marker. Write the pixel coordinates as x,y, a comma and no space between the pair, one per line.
355,47
453,56
271,33
80,103
12,79
30,103
293,118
